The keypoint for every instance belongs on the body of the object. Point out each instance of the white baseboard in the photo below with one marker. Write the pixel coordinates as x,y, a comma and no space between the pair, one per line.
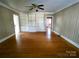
70,41
56,32
2,40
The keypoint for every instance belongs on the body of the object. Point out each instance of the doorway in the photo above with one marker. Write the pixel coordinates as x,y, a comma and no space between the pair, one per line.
16,23
48,27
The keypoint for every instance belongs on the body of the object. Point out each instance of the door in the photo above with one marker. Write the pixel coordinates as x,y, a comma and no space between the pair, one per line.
16,23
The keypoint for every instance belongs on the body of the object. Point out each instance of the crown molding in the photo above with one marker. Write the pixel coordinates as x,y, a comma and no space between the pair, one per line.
69,5
8,7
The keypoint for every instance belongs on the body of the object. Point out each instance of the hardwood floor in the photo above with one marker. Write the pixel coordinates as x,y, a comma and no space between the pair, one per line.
37,45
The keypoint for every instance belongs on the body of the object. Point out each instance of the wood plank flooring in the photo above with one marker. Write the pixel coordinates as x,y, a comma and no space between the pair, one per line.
37,45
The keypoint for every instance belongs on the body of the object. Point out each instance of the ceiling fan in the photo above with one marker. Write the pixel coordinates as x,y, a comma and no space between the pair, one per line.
36,7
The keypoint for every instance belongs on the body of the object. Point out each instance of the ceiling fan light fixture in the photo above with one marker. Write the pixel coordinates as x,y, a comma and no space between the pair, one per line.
36,10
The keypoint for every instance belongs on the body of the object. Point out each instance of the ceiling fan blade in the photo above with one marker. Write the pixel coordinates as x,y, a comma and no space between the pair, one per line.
41,8
40,5
31,8
33,4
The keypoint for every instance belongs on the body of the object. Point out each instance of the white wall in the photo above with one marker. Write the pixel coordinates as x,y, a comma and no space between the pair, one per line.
33,22
6,22
66,23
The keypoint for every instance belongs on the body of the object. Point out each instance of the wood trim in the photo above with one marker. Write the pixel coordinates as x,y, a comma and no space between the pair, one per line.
8,7
4,39
68,40
66,7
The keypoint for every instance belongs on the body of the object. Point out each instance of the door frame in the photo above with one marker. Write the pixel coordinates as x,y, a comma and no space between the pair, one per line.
18,22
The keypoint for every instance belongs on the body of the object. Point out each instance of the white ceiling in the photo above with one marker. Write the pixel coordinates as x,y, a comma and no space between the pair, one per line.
50,5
